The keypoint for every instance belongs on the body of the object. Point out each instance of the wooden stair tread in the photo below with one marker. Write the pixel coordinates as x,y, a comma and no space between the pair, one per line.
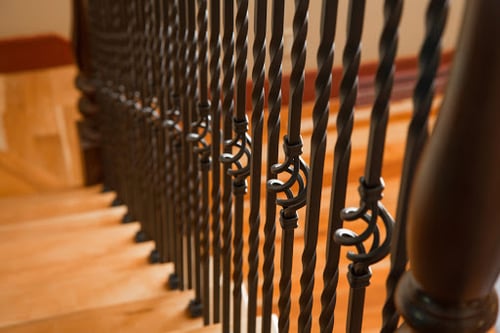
19,209
161,314
65,264
214,328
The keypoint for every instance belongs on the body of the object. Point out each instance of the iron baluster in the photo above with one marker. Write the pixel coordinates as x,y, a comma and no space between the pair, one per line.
193,171
127,101
199,130
318,148
258,78
241,143
186,151
166,199
227,198
372,185
148,109
176,280
418,132
215,113
273,131
154,127
294,165
158,73
342,156
169,59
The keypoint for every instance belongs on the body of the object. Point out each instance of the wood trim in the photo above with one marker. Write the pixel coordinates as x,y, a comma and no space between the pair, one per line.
34,52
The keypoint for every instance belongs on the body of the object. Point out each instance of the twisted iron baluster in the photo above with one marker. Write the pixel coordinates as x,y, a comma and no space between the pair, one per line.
273,131
430,53
258,77
205,152
186,151
227,199
371,185
132,26
342,156
128,104
149,108
240,160
158,74
215,50
144,233
193,171
170,27
146,113
176,279
200,129
318,148
165,110
153,51
114,95
293,164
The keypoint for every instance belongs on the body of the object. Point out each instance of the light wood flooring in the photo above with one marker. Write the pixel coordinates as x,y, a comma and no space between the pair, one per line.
38,140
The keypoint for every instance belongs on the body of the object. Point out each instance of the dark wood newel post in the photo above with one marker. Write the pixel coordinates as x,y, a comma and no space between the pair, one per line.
88,126
454,225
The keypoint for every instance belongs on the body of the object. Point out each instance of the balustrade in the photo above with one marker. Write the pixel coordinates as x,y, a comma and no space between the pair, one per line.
165,90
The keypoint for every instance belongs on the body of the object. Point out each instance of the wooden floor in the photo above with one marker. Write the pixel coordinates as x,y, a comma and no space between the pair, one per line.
68,265
38,140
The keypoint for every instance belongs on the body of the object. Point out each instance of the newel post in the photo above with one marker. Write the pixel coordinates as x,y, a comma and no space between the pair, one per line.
88,126
454,224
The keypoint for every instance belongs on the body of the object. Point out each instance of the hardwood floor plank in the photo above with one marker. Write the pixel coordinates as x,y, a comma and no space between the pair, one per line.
73,263
156,315
18,209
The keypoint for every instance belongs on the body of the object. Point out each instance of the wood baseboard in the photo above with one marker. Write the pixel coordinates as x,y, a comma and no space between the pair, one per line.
34,52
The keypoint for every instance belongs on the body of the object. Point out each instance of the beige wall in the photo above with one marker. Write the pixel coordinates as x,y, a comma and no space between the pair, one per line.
411,29
30,17
26,17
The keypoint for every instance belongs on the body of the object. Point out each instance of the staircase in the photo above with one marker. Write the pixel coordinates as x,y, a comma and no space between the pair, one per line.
74,267
68,265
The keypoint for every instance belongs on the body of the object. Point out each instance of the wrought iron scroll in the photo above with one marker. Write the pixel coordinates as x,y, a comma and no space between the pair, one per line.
293,165
318,148
227,198
372,185
273,131
258,77
418,132
215,113
240,160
